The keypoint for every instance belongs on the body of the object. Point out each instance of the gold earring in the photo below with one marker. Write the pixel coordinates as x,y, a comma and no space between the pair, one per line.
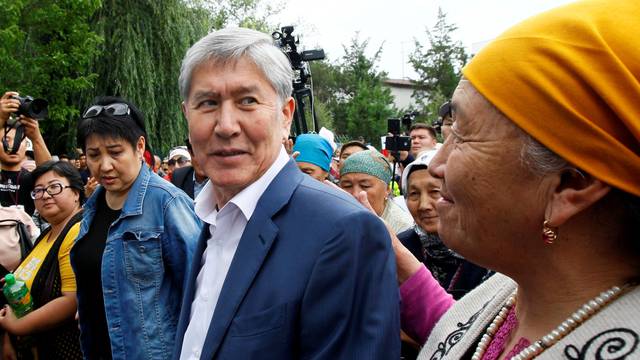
549,233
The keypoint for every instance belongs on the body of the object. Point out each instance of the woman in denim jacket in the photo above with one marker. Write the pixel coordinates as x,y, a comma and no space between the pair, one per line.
135,244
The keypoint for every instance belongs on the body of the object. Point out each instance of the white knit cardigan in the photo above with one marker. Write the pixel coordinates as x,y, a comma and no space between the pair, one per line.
612,333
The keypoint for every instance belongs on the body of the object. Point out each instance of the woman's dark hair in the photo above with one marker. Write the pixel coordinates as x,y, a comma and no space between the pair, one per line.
128,127
64,169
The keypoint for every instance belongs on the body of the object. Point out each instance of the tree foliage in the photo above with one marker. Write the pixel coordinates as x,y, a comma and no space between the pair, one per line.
69,51
438,65
46,50
253,14
139,60
353,92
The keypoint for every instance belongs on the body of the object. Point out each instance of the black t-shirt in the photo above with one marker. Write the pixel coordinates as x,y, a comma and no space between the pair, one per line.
88,254
15,189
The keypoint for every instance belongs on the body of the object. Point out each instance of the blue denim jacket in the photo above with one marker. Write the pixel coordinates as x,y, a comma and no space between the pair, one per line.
146,257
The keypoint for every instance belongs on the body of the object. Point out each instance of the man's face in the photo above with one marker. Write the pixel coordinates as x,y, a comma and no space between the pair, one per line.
12,159
236,124
83,161
421,140
346,152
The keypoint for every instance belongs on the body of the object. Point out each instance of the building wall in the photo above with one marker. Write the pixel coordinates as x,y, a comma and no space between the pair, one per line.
401,91
402,97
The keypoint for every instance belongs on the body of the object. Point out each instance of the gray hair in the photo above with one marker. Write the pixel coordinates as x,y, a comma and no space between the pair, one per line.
232,44
542,161
539,159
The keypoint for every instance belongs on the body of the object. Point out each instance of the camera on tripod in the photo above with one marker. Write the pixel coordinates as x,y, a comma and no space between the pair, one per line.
302,89
397,142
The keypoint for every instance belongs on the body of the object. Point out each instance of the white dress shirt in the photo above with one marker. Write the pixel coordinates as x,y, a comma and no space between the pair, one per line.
226,227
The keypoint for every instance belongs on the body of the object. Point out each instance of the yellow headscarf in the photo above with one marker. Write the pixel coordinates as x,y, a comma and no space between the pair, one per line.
570,78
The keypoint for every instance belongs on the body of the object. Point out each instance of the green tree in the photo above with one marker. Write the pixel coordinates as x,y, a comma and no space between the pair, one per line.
145,41
46,48
139,60
324,77
69,51
354,93
253,14
438,65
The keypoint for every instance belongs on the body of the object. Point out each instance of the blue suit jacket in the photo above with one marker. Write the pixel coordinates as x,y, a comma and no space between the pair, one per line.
313,277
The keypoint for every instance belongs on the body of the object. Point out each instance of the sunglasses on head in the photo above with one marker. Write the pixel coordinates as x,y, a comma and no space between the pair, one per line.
117,109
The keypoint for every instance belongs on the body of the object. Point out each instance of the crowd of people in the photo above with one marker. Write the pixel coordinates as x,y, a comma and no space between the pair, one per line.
511,234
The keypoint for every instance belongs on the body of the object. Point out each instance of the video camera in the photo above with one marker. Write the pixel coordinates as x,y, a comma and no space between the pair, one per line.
302,88
396,142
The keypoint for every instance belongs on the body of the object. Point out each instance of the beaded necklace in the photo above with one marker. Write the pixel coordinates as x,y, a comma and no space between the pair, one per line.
578,317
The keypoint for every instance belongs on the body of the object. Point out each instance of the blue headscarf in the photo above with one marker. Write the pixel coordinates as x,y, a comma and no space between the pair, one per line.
314,149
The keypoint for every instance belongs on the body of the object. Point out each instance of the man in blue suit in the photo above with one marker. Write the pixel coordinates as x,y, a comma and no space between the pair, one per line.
287,267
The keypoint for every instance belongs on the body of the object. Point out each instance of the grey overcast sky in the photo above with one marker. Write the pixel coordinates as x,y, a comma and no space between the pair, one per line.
395,24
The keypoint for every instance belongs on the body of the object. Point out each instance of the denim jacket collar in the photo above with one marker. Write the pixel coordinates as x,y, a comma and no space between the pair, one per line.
135,196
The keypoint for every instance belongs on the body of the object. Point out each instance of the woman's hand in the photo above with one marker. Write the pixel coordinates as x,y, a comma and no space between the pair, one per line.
406,263
91,186
10,322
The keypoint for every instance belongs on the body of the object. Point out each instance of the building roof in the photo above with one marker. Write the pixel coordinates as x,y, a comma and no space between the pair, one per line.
404,83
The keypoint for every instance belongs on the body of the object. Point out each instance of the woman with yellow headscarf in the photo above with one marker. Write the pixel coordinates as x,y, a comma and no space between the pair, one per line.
541,183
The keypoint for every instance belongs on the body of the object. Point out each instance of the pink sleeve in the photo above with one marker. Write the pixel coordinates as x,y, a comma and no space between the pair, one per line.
423,302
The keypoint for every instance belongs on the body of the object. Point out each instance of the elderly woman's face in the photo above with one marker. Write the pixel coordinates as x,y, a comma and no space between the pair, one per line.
423,191
313,170
490,202
377,191
57,207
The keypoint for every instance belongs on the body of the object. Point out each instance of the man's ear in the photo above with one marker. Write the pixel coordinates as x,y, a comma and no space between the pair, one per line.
288,109
573,192
183,106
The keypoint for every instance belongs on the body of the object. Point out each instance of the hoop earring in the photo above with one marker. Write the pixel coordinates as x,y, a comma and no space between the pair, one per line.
549,233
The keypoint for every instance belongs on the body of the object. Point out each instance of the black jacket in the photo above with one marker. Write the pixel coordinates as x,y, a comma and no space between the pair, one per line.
456,275
183,178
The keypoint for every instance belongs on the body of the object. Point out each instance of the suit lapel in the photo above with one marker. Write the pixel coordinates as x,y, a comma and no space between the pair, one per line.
256,240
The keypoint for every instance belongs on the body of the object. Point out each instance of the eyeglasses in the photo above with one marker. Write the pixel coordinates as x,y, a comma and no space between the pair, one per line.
117,109
53,189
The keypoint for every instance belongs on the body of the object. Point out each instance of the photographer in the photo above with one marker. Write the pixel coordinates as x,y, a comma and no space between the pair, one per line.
15,182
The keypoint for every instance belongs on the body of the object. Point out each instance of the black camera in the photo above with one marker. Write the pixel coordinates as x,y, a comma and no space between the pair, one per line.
396,142
34,108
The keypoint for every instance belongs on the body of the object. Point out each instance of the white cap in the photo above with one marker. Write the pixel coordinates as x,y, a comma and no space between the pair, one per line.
424,158
179,151
329,136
